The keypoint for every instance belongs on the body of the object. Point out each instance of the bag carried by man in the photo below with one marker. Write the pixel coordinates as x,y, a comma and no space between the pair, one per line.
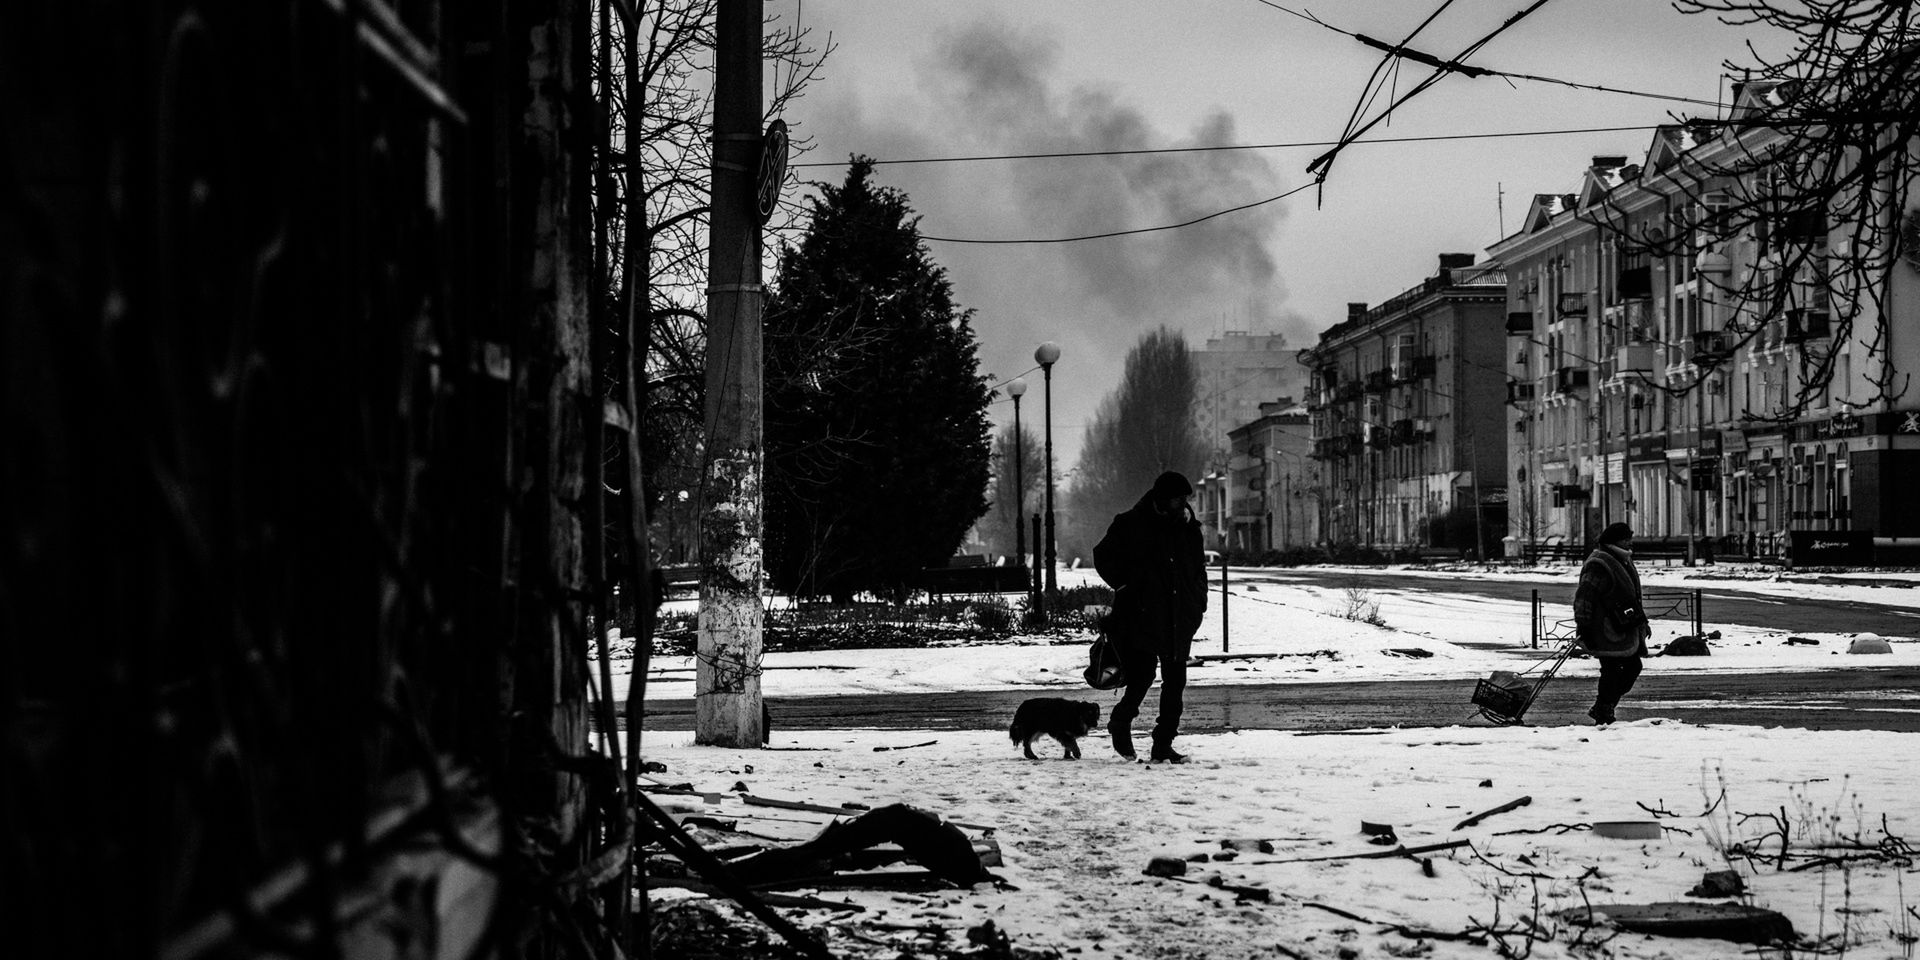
1104,671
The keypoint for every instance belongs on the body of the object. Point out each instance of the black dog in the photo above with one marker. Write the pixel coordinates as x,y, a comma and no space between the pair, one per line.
1056,717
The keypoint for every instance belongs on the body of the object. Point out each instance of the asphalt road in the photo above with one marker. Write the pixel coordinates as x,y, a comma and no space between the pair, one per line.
1721,604
1860,698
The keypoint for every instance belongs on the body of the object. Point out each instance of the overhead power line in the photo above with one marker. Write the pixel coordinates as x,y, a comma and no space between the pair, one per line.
1402,51
1299,144
1323,164
1124,233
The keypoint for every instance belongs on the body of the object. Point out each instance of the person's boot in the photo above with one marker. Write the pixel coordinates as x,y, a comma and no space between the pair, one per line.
1164,753
1122,738
1602,714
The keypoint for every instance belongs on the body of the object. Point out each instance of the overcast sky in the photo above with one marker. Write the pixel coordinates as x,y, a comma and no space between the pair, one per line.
913,79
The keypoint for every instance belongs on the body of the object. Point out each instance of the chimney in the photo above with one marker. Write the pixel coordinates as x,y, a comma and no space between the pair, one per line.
1449,261
1356,310
1610,161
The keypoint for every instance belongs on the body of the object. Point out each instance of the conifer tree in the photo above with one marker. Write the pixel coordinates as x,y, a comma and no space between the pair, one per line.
876,426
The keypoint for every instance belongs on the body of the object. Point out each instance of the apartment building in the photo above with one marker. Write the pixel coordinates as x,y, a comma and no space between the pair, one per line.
1404,407
1686,379
1239,371
1272,486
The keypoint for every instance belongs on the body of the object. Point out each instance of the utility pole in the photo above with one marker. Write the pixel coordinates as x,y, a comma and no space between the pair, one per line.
1694,469
727,672
1479,518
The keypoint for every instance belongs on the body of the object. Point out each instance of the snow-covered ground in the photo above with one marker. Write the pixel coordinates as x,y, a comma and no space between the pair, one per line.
1301,633
1077,835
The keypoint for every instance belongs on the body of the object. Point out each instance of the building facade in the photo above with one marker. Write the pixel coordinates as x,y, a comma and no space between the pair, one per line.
1238,372
1271,484
1685,379
1403,409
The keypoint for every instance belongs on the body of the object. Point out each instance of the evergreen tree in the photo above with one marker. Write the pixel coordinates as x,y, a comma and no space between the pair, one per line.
876,424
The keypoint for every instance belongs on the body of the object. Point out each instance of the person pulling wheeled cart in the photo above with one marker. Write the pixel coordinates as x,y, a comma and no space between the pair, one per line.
1609,620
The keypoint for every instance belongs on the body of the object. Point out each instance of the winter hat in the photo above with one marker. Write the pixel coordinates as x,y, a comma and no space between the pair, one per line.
1615,532
1171,485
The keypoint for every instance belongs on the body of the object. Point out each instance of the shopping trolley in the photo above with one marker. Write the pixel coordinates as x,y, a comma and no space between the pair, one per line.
1504,696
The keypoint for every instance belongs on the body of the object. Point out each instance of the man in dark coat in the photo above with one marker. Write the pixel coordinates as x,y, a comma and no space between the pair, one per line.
1153,559
1609,621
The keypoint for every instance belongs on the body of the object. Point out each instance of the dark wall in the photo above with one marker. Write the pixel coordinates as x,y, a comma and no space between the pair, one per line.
1881,503
278,530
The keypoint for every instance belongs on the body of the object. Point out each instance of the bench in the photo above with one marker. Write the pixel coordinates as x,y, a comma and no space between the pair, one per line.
971,573
679,580
1537,553
1664,551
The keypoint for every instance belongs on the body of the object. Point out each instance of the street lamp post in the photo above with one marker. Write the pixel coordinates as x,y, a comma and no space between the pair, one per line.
1046,355
1016,390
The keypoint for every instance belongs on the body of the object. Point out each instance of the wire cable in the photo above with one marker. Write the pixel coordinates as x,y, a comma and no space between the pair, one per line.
1400,50
1127,233
1289,145
1323,164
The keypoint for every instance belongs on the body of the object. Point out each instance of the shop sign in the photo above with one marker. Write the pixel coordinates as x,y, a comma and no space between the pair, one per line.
1647,448
1616,468
1909,423
1848,548
1843,424
1733,441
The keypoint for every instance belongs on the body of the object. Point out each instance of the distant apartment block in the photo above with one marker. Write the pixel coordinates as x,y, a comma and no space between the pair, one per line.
1405,408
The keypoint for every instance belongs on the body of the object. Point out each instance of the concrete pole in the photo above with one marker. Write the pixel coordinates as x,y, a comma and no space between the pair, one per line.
727,673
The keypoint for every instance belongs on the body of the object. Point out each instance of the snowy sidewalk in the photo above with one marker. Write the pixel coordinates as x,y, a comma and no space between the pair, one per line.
1295,633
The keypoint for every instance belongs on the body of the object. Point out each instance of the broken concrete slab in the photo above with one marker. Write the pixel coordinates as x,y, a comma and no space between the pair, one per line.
1166,867
1244,844
1725,921
1687,646
1719,883
1628,830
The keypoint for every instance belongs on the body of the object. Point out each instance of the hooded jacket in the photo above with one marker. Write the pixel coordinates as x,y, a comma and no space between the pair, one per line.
1607,614
1157,567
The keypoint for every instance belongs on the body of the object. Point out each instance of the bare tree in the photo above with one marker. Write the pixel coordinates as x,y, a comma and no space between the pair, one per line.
1001,528
1142,429
1794,206
654,93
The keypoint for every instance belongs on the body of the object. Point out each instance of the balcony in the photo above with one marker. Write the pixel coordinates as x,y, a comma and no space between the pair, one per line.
1709,347
1379,380
1520,323
1426,367
1569,379
1633,358
1519,391
1401,432
1573,304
